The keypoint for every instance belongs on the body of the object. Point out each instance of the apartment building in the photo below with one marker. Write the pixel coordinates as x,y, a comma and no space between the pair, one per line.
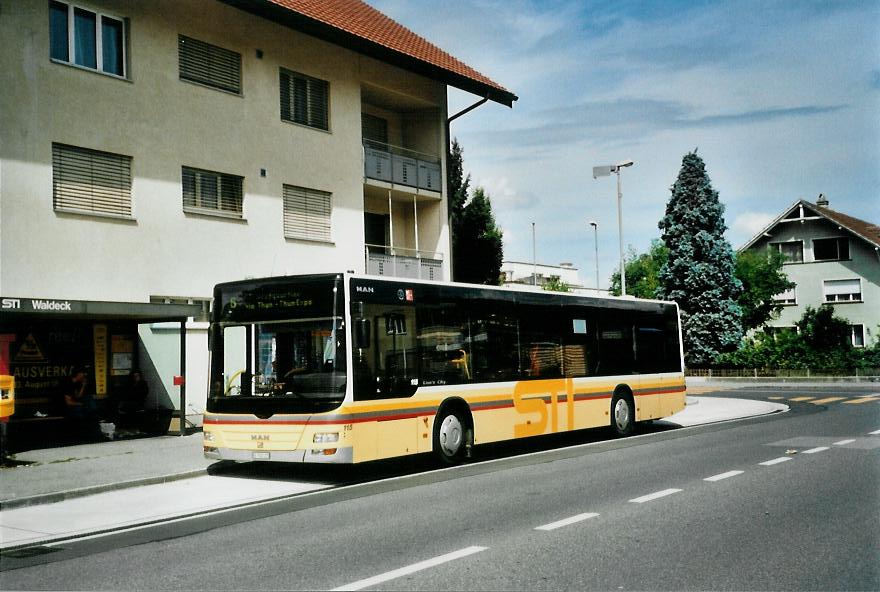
149,150
833,259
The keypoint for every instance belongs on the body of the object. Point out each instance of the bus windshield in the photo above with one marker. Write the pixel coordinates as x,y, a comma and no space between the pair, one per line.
278,365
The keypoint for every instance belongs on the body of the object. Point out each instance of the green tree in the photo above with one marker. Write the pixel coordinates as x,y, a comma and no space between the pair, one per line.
478,250
642,271
762,278
458,185
555,284
821,342
699,273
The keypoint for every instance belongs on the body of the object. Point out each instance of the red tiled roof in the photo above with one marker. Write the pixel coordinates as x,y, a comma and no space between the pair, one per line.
371,27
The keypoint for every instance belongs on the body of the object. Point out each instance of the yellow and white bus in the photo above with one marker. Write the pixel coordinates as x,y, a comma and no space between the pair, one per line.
347,368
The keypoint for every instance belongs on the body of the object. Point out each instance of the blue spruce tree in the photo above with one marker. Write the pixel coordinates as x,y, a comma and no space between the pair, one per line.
699,273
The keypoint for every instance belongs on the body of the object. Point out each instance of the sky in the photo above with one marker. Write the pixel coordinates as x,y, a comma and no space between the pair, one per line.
781,99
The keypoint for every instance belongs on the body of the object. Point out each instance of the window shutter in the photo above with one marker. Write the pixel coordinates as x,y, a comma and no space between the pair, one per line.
90,181
842,287
208,64
209,190
304,100
306,214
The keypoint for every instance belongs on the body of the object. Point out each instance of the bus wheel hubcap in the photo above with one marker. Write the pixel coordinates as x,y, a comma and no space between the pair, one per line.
450,435
621,414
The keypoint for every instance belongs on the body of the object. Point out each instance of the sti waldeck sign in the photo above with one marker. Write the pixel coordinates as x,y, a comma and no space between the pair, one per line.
41,305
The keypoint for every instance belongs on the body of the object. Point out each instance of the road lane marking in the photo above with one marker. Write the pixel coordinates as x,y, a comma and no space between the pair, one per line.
858,400
567,521
410,569
827,400
726,475
775,461
874,433
815,450
802,398
776,398
843,442
653,496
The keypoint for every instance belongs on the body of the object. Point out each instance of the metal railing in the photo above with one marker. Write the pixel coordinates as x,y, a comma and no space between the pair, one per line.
783,372
403,262
401,166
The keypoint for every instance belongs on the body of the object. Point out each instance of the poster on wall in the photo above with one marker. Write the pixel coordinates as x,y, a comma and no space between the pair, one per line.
100,345
122,355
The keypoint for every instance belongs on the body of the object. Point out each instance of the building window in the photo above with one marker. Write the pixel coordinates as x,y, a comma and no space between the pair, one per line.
857,333
212,192
304,100
787,297
830,249
86,38
306,214
209,65
842,290
793,251
374,130
90,181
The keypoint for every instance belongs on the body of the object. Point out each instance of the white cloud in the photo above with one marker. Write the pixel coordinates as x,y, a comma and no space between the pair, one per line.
748,224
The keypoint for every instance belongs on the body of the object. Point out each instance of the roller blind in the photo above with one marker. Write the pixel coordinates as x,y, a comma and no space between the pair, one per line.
210,190
842,287
208,64
306,214
85,180
304,99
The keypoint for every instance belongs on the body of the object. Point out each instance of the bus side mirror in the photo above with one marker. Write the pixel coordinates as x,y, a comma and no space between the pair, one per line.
362,333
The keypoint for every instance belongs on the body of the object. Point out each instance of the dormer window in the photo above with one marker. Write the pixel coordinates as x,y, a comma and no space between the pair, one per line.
793,251
830,249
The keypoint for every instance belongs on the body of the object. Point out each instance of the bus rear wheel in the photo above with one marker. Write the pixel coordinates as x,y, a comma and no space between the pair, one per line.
450,436
623,414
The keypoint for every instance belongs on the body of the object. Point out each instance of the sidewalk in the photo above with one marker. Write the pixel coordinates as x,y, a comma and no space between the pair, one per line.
55,474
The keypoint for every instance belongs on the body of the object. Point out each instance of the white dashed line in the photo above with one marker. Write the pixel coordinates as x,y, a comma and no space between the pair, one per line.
843,442
653,496
726,475
874,433
567,521
410,569
815,450
775,461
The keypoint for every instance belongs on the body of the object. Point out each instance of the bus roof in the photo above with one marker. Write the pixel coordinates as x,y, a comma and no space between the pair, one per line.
619,301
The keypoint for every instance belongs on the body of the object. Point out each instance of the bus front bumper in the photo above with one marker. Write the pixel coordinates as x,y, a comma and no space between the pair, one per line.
339,455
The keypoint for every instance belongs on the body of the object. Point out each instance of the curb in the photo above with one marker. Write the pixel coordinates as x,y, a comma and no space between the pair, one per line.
60,496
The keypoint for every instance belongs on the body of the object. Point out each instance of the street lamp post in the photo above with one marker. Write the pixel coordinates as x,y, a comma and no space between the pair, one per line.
604,171
595,226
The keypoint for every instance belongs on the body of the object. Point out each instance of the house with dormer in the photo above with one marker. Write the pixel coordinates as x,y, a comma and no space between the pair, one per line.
833,259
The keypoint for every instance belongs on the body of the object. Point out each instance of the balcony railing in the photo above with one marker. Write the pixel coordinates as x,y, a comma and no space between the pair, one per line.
401,166
403,262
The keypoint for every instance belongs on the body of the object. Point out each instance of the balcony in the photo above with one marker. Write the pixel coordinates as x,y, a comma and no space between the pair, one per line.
401,166
404,263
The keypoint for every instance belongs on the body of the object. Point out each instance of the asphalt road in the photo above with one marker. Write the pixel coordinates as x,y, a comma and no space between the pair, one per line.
713,507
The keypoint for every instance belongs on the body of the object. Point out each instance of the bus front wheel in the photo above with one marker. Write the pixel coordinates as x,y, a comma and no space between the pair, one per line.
450,436
623,414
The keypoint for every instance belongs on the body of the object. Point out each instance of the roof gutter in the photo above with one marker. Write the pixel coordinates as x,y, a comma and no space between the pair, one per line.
449,121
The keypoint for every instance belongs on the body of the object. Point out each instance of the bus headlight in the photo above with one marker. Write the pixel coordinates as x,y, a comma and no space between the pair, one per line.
325,437
209,436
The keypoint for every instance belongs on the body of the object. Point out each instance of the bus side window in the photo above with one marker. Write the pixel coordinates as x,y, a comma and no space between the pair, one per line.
444,355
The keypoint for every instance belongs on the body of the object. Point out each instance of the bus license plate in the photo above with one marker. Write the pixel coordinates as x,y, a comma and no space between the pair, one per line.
261,456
